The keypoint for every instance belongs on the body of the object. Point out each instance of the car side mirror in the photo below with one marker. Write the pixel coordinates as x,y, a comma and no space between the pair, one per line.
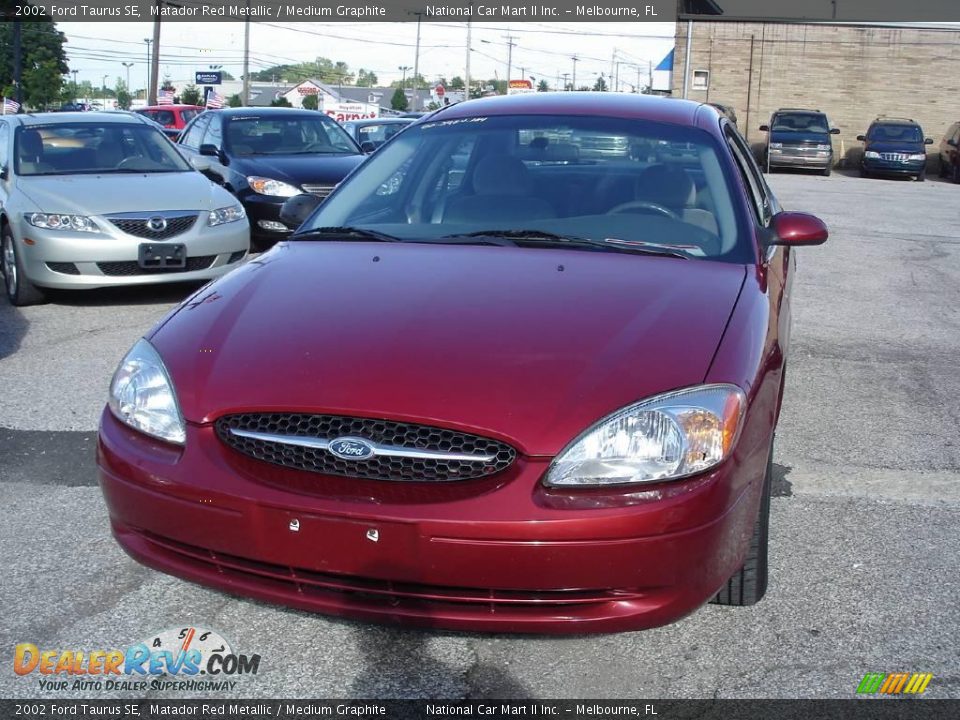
834,131
200,163
796,228
295,210
4,173
367,147
928,141
209,150
862,138
764,128
951,142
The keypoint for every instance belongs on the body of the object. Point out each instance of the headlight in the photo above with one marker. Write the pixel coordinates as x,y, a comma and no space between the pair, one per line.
776,145
918,156
48,221
872,155
142,396
664,438
266,186
226,215
823,147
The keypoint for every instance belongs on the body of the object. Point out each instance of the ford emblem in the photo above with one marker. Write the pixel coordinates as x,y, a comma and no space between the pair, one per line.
350,448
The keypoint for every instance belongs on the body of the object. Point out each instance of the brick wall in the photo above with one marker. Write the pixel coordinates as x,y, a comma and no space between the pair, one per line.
851,73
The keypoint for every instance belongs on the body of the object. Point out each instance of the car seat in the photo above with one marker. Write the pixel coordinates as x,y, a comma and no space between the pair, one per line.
31,153
502,192
673,188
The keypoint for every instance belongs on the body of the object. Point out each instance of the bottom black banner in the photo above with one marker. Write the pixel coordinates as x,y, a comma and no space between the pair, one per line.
853,709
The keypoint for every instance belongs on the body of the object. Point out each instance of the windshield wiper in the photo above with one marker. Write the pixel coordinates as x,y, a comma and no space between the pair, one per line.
344,233
542,238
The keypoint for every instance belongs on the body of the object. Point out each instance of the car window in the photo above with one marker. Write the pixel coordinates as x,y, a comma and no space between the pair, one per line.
188,114
800,122
895,133
602,178
194,134
214,134
286,135
751,177
84,148
164,117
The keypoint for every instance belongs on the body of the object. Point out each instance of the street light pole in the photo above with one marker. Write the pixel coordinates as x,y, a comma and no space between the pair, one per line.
469,36
574,81
416,65
76,88
104,87
128,66
403,83
146,89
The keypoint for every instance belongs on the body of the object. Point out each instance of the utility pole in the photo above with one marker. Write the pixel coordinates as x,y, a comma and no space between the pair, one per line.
17,63
574,81
510,43
246,58
155,60
416,64
76,89
469,37
146,88
613,62
566,85
686,57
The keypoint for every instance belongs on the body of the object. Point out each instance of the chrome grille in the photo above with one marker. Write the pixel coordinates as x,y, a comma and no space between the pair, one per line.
320,191
407,454
138,225
896,157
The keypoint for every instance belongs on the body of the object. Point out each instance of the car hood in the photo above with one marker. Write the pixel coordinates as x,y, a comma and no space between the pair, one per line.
298,169
797,138
125,192
897,147
528,345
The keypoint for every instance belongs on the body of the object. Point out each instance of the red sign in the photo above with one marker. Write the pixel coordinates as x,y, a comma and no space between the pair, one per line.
342,112
439,91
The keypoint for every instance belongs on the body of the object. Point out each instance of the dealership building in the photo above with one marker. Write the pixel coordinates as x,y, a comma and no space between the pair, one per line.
853,73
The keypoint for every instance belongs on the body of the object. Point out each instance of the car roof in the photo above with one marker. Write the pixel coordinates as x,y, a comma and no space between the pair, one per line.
62,118
178,106
895,121
624,105
263,111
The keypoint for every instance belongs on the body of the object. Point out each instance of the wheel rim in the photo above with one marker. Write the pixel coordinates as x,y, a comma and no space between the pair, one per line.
9,266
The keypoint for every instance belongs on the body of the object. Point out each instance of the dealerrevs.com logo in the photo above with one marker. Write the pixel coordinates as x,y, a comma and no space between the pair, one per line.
181,659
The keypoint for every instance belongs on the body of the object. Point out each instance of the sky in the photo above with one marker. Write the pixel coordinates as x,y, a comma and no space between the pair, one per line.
541,50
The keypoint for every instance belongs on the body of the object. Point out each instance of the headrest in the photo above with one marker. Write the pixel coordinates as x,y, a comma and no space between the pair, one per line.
500,175
31,144
667,185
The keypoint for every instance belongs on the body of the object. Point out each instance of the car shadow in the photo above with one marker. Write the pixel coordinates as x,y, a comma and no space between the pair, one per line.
13,328
132,295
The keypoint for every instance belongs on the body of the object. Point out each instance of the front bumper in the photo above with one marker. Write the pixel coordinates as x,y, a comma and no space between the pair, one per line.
73,260
894,167
263,212
502,553
788,158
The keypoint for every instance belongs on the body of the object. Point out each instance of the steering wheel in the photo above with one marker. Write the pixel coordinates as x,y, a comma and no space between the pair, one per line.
316,145
643,205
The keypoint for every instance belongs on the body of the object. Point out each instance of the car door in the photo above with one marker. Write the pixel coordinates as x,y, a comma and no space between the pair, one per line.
6,157
192,135
220,171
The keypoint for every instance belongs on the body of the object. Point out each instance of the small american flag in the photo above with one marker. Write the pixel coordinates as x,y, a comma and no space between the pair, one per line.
214,100
10,107
165,97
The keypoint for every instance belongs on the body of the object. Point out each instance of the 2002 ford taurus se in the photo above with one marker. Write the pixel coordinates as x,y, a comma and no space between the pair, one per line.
520,372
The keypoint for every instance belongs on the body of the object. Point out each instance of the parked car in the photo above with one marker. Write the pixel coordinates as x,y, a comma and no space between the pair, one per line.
509,401
949,153
265,155
73,107
370,134
894,146
173,118
799,139
91,200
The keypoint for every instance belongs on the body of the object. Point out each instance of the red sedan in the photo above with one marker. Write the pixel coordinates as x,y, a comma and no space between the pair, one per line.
521,371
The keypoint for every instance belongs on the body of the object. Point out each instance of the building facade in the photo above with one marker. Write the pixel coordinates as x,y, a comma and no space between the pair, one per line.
853,73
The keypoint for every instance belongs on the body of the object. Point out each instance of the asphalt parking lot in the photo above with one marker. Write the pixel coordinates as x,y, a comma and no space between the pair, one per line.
864,573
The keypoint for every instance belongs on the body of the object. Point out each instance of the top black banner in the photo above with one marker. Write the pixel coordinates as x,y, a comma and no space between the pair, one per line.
853,11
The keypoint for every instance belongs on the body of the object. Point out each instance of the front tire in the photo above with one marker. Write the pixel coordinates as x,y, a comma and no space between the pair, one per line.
921,177
20,291
826,172
748,585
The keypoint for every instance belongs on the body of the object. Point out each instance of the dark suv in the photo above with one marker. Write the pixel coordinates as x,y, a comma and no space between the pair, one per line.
800,139
894,146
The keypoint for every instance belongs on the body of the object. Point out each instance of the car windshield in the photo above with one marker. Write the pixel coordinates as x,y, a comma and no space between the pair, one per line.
91,147
313,134
895,133
379,133
800,122
620,182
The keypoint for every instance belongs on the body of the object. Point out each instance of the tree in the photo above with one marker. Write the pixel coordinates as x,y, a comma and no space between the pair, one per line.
280,102
543,86
399,100
123,95
44,61
600,85
311,102
366,78
227,76
323,69
190,95
235,100
411,81
166,84
457,83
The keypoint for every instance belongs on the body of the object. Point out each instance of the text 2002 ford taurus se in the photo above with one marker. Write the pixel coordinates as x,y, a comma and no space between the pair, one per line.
499,380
